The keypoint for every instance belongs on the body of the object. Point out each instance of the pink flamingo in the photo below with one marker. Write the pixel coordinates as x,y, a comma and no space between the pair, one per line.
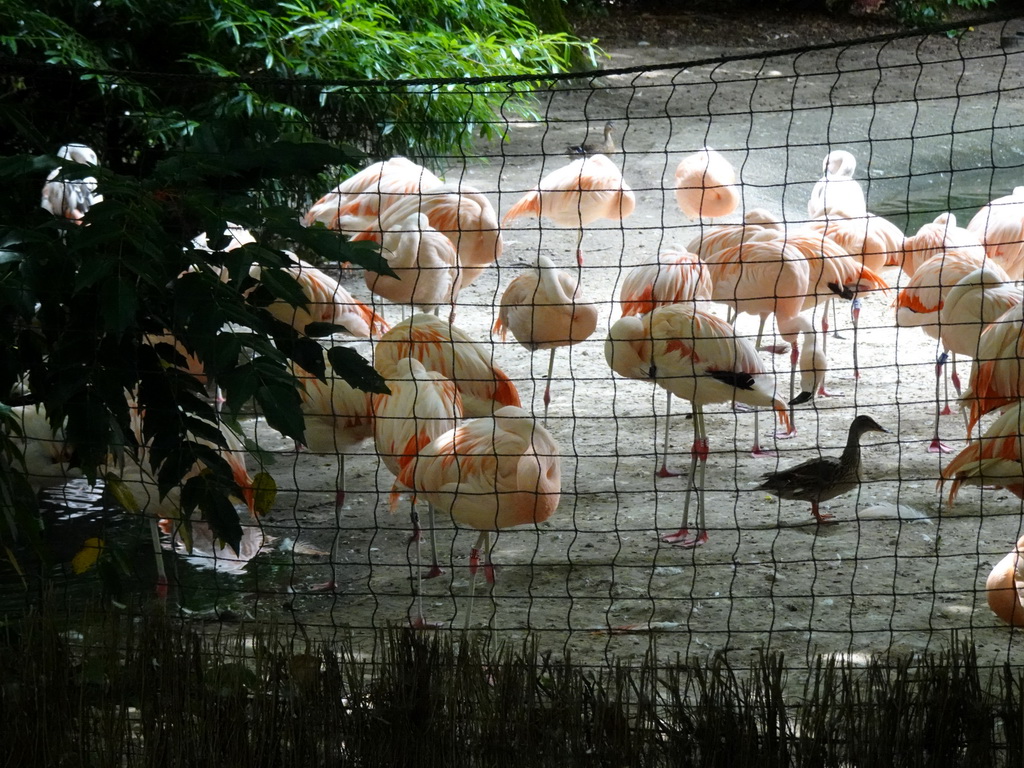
1000,226
1004,587
937,236
872,240
766,275
833,273
995,458
836,194
997,376
133,482
698,357
338,418
545,309
677,277
327,302
425,264
919,305
369,193
460,212
491,473
421,406
578,194
71,199
448,350
706,185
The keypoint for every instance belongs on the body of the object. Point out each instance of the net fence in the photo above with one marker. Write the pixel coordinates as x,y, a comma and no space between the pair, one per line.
933,124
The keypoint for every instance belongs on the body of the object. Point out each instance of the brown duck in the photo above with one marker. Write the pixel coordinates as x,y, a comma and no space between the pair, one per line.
825,478
606,147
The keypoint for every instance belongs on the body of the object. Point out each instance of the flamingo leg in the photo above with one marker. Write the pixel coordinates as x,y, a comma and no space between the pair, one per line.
794,359
824,325
936,445
158,553
547,385
419,621
579,250
699,453
665,471
757,451
483,544
835,322
954,376
775,349
339,496
855,313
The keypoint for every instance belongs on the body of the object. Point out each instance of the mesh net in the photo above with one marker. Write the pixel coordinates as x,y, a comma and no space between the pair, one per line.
933,124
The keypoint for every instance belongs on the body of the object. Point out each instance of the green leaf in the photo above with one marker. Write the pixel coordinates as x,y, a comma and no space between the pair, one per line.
118,304
354,369
264,491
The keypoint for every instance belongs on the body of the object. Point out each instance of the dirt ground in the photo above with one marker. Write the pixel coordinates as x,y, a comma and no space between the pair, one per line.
931,120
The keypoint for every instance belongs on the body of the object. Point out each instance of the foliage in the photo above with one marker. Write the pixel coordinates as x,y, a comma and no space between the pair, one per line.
82,305
931,11
142,691
205,112
271,52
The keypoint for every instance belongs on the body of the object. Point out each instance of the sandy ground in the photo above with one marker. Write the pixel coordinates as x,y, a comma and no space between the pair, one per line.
932,122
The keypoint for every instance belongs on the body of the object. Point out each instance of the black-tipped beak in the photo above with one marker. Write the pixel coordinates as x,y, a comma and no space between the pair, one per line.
652,372
803,397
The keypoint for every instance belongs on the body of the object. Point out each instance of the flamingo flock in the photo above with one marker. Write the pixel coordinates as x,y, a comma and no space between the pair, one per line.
454,431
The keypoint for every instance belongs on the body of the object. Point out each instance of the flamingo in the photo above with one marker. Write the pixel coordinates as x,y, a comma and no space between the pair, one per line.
997,376
71,199
698,357
337,416
425,264
460,212
1004,587
369,193
766,275
919,305
1000,226
677,277
491,473
706,185
836,193
730,235
448,350
996,458
833,272
578,194
46,456
133,482
545,309
327,301
421,406
937,236
873,240
204,551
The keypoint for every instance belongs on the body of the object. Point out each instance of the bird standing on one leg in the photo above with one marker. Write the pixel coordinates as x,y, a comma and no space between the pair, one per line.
577,194
546,309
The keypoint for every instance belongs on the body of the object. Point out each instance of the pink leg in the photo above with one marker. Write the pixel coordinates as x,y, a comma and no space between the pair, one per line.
757,451
856,318
936,445
665,471
699,453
